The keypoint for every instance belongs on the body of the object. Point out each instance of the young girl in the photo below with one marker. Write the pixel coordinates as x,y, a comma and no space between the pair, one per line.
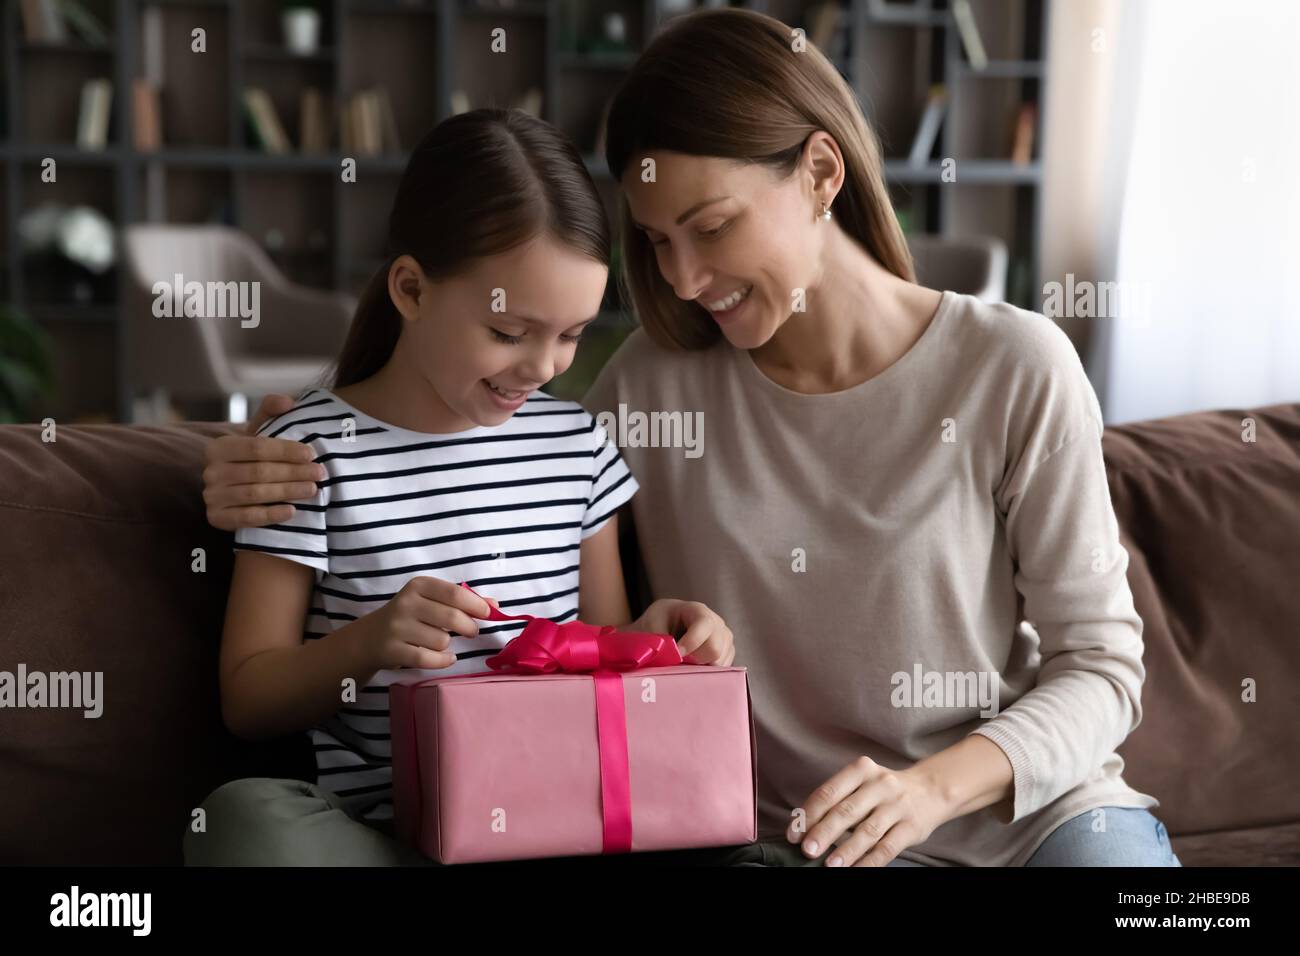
443,463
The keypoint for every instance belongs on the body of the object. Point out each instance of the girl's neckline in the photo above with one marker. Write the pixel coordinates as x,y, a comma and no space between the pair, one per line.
389,426
923,344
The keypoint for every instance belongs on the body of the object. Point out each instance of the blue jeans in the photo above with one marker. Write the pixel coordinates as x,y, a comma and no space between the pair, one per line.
1132,837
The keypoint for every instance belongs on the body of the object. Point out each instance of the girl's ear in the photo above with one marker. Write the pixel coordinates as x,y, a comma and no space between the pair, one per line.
406,285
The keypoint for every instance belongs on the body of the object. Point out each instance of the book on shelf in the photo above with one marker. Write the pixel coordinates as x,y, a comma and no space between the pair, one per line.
42,22
1022,136
151,44
264,121
828,31
911,12
368,125
345,128
358,138
970,34
82,22
313,122
92,119
927,131
372,132
146,116
49,21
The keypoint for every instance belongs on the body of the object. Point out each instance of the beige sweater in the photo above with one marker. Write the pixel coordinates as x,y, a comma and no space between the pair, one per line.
874,551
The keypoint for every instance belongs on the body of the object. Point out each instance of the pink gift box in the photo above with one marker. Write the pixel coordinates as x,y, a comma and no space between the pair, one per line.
509,767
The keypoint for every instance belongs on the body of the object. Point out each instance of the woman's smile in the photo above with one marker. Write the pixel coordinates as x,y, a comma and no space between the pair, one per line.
728,307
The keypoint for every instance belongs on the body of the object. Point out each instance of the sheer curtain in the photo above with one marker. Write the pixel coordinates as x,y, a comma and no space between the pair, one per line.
1206,211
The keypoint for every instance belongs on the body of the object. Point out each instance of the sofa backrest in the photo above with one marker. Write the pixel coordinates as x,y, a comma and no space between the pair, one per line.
98,538
1211,522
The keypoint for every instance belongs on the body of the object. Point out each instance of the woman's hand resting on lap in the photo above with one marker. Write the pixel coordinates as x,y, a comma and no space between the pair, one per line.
881,811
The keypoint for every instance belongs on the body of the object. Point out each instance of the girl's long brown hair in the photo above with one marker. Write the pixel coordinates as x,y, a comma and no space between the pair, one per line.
729,83
479,184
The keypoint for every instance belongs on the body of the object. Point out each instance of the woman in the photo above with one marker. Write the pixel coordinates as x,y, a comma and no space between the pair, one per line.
893,479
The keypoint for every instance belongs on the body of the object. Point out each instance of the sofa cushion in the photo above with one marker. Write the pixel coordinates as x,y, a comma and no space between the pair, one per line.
1212,527
1258,846
99,530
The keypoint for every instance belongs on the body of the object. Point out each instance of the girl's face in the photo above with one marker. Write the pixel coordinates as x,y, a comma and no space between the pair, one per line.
486,338
731,237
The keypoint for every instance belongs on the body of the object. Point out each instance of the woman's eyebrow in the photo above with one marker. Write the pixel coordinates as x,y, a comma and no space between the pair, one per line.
697,207
688,213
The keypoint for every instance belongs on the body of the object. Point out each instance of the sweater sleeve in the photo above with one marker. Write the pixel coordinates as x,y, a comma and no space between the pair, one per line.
1070,569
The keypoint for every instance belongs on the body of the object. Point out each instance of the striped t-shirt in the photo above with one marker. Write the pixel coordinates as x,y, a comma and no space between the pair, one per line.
503,508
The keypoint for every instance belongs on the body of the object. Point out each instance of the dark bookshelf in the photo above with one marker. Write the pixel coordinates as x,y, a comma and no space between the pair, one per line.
329,233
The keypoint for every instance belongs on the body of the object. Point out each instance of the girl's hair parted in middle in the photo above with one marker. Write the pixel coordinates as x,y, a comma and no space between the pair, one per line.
478,185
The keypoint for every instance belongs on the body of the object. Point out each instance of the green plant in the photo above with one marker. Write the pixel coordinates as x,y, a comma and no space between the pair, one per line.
26,364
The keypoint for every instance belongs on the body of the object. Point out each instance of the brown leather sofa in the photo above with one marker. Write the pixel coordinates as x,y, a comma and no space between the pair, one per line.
99,532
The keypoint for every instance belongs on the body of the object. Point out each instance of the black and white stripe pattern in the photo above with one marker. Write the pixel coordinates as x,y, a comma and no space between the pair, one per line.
502,508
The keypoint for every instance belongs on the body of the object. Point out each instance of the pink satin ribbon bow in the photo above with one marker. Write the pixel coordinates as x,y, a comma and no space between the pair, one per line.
544,647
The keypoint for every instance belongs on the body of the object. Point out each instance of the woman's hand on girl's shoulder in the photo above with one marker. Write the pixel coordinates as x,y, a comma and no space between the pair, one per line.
246,475
702,635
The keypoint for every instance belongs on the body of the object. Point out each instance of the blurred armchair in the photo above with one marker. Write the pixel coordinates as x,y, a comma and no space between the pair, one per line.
285,347
974,266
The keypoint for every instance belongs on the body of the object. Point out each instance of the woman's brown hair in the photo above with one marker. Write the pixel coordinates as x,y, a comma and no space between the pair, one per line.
729,83
478,185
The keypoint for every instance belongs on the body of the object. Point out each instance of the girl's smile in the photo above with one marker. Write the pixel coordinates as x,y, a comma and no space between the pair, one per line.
506,399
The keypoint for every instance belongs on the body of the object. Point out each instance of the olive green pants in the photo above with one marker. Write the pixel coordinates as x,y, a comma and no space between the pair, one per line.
264,821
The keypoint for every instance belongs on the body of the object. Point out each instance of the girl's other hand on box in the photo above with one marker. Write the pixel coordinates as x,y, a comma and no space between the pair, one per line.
702,636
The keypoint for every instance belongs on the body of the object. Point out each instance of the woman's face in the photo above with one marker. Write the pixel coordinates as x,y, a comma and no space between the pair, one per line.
747,246
487,337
